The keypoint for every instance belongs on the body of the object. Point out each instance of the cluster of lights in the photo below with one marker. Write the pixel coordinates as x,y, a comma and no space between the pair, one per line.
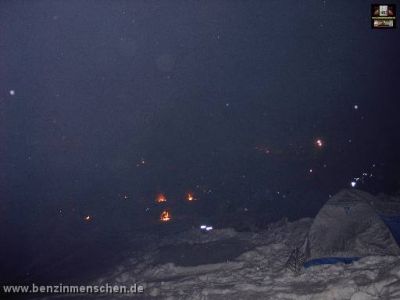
319,143
165,215
206,228
364,175
161,198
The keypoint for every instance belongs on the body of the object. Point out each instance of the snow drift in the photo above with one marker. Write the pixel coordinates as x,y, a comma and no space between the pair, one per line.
225,264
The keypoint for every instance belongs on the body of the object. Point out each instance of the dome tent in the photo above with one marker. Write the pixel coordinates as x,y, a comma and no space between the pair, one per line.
388,209
347,228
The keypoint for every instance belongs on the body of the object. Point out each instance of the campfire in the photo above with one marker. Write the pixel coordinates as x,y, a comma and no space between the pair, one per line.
190,197
161,198
165,216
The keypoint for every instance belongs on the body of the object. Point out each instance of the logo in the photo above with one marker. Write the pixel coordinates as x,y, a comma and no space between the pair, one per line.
383,16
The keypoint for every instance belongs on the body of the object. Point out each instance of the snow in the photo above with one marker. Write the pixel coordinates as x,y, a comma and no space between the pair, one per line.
224,264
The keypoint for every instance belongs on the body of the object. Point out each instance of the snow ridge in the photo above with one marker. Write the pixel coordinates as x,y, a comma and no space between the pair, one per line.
259,272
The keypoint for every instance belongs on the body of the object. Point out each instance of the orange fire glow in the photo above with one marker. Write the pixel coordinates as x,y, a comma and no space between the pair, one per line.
165,216
161,198
190,197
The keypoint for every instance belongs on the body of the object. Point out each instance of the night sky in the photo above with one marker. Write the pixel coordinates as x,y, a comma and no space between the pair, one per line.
260,109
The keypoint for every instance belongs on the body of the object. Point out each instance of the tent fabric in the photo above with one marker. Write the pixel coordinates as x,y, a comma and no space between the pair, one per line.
393,223
348,227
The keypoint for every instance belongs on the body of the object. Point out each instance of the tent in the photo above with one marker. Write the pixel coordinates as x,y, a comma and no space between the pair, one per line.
350,226
388,209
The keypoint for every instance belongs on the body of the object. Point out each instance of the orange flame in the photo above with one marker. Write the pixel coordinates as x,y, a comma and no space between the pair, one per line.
190,197
161,198
165,216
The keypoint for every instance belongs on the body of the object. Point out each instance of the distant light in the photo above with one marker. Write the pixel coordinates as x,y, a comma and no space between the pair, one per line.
353,183
165,216
310,170
190,197
142,162
88,218
206,228
319,143
12,92
356,107
161,198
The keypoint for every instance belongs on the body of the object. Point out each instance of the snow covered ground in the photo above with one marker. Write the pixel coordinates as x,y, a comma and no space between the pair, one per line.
225,264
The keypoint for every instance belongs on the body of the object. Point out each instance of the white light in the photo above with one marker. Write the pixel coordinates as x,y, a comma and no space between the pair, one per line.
203,227
353,184
208,228
356,106
12,92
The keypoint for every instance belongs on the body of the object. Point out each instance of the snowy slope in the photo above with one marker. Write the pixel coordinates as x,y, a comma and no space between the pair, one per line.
225,264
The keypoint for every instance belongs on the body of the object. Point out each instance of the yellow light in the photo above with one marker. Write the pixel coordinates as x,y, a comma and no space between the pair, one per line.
165,216
190,197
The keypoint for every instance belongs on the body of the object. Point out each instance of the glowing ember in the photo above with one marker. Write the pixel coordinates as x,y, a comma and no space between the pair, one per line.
161,198
190,197
165,216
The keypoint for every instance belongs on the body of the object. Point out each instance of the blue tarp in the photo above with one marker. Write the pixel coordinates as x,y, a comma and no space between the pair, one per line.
393,223
329,261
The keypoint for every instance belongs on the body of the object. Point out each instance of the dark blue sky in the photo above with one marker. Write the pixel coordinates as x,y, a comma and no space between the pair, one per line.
200,91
